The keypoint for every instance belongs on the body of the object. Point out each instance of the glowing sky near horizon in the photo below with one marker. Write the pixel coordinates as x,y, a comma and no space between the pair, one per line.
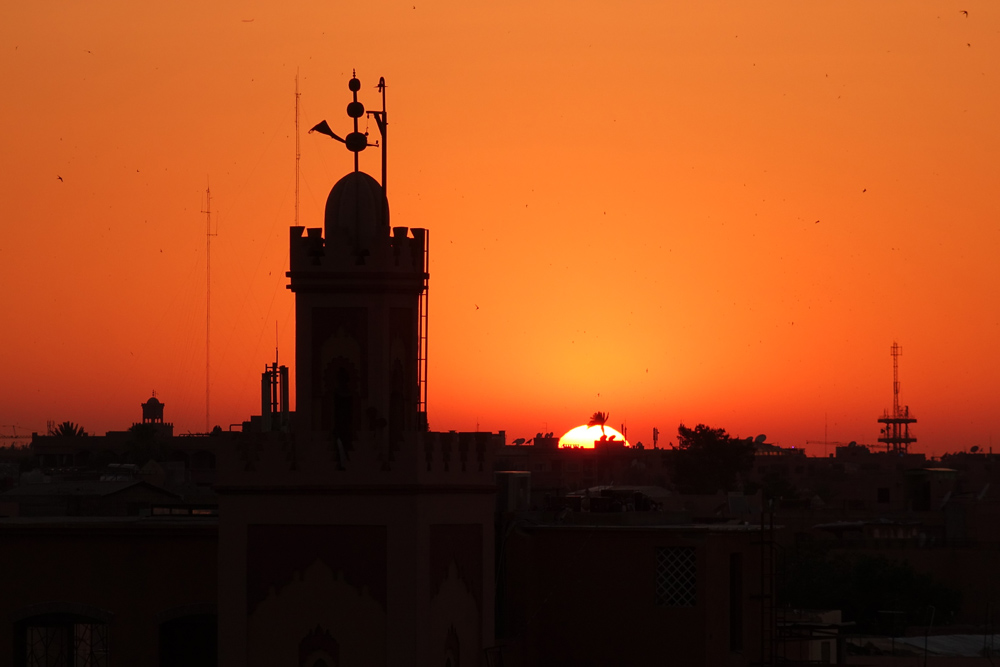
713,212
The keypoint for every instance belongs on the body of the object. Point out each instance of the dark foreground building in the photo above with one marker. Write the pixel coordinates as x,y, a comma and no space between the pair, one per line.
630,589
96,591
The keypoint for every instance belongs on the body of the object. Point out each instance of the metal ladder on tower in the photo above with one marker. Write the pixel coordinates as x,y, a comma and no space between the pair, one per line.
422,337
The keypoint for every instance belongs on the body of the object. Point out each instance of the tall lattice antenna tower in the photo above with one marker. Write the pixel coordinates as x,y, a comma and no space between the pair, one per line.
298,155
896,432
208,306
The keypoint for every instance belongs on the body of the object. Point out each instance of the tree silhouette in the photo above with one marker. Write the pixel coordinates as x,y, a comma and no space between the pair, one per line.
68,429
598,419
709,460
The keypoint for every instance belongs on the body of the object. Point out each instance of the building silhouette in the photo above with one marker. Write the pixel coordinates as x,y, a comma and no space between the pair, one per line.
359,536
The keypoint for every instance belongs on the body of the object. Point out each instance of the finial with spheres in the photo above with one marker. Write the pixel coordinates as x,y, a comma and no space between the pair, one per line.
355,141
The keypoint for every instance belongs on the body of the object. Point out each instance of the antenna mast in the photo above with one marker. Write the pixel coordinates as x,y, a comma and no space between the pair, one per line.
896,432
895,351
208,304
383,123
298,155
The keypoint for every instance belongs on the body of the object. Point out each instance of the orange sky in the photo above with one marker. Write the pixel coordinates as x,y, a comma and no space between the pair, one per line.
629,192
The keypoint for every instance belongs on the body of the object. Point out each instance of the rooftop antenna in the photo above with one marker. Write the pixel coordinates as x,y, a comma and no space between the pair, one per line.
208,305
298,155
274,392
896,433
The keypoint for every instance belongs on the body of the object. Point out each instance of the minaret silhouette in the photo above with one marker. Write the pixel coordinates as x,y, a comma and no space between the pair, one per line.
357,536
358,311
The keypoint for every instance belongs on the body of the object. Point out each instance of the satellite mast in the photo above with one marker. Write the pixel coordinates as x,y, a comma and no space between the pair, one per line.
208,304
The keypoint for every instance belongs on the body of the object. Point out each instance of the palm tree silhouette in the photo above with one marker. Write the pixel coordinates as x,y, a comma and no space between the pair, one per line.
599,419
68,428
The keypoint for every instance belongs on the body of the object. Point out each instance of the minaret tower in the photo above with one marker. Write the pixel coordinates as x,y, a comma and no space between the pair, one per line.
360,304
355,535
896,432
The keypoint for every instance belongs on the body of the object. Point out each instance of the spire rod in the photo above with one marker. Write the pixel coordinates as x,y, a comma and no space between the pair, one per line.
382,123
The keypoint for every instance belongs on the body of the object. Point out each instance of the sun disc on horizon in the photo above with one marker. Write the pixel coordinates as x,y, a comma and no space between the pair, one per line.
585,436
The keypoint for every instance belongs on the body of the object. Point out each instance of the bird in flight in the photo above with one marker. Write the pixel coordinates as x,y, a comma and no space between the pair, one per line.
864,190
962,11
59,177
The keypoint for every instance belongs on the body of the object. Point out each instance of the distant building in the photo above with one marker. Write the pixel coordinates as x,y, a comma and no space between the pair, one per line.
87,456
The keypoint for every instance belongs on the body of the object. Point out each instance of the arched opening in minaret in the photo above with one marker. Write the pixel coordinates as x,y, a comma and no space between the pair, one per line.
397,405
337,414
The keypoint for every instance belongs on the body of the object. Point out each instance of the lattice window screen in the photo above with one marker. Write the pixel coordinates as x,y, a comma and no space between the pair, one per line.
91,643
676,577
49,646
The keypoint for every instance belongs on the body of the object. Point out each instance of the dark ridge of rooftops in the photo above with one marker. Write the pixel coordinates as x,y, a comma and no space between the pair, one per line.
113,521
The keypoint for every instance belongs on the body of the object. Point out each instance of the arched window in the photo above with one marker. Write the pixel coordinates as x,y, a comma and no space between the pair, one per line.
337,402
397,405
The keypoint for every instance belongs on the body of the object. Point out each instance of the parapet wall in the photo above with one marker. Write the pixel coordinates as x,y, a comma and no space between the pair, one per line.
401,252
428,458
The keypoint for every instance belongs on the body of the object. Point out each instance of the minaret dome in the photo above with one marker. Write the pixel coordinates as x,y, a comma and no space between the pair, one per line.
357,210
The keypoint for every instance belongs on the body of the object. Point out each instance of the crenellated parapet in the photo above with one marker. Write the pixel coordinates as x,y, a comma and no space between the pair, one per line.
356,238
459,453
393,262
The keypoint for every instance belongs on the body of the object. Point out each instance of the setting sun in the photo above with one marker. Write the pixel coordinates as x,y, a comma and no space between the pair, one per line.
585,436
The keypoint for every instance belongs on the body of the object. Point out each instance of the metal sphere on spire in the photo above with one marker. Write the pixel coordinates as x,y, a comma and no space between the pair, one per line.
357,141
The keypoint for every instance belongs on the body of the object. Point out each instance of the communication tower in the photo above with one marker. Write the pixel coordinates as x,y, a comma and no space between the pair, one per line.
896,429
208,305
